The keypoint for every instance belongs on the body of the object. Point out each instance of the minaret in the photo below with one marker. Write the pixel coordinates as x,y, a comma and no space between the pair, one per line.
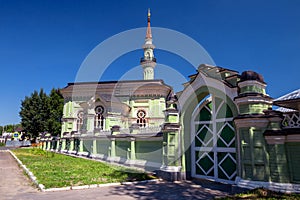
148,62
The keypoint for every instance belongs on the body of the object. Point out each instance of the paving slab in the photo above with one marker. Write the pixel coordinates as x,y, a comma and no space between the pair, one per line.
12,179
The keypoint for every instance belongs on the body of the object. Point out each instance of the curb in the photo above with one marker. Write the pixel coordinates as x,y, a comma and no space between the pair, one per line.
81,187
29,173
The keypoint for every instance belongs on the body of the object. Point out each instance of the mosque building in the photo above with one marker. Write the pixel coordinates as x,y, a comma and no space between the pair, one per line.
220,127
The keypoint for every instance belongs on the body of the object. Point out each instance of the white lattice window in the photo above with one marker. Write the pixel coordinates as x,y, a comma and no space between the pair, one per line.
291,120
213,140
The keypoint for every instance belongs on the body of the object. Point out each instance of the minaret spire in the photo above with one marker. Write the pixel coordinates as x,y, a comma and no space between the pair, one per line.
148,62
149,34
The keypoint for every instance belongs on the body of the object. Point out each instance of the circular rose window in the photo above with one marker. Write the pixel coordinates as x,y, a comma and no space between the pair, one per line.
99,110
141,114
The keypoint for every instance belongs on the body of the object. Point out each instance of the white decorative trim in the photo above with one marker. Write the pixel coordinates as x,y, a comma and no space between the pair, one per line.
293,95
293,138
281,139
203,81
275,139
251,99
251,122
279,187
251,83
171,168
72,152
83,153
291,120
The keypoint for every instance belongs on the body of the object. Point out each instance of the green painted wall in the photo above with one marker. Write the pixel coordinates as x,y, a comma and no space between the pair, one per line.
252,88
274,126
103,146
68,144
71,147
278,163
153,106
112,120
123,149
293,149
171,152
172,118
149,150
254,162
252,108
87,145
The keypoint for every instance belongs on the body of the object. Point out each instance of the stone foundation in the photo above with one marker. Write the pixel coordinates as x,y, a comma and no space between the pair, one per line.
170,174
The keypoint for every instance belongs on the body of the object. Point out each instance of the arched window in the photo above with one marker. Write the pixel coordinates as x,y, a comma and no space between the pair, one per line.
79,120
99,118
141,115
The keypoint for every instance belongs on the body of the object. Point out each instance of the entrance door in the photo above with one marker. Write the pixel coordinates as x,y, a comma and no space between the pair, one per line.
213,141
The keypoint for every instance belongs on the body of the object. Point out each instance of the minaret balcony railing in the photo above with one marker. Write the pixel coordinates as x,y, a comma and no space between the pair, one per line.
148,59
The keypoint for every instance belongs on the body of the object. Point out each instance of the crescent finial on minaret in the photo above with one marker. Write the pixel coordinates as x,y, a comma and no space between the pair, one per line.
148,34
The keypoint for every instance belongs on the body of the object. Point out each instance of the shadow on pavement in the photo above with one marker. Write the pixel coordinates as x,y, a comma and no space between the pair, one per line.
197,189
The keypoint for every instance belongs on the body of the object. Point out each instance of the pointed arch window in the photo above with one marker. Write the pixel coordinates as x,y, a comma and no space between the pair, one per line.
99,118
141,115
79,123
147,55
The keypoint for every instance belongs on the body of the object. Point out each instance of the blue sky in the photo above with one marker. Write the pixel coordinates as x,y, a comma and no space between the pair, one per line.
44,42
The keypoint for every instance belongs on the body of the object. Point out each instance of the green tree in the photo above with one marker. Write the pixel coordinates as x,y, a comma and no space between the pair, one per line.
40,112
10,128
56,104
33,113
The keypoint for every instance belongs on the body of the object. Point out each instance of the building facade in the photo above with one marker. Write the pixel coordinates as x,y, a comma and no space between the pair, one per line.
220,127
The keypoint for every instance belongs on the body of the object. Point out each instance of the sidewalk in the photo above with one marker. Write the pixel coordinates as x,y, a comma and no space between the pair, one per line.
12,179
15,185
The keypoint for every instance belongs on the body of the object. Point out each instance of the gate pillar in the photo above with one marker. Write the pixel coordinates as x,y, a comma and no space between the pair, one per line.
171,166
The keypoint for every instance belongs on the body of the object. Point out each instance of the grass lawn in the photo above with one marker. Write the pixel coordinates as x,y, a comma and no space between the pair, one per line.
56,170
263,194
